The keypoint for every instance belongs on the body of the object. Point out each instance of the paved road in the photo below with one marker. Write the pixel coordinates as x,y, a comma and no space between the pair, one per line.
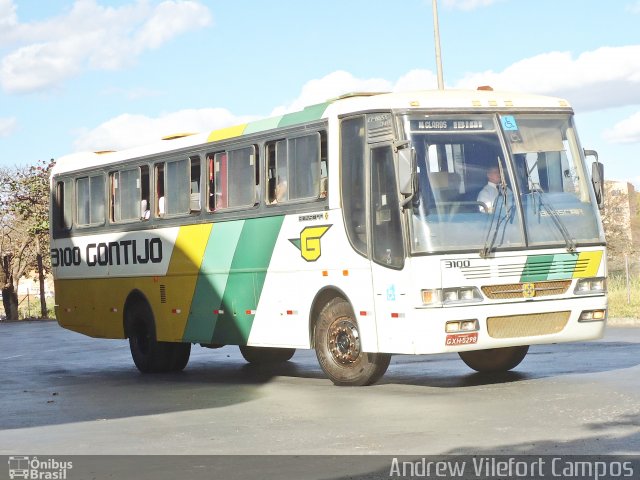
63,393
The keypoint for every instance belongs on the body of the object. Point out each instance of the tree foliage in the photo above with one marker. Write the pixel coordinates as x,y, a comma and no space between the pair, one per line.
621,223
24,226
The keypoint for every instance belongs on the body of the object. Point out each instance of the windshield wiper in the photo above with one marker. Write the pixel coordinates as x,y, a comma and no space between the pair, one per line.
569,243
490,240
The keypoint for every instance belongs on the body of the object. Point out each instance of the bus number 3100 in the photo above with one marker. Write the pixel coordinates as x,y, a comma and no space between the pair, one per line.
457,264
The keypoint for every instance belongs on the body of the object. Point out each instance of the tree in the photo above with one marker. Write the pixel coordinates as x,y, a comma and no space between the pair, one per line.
620,222
24,227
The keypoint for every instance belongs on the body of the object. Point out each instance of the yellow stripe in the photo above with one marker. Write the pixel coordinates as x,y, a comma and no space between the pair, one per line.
225,133
180,282
592,261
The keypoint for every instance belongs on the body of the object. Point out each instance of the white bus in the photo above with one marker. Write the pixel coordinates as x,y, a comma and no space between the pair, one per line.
356,227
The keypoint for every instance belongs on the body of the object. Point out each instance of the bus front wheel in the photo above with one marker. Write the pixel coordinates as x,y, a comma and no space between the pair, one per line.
494,359
150,355
339,351
264,355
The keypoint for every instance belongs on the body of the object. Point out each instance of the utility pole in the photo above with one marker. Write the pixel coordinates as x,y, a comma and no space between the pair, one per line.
436,34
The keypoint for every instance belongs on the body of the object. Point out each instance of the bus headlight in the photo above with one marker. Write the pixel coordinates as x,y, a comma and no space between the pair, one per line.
461,295
588,286
457,326
593,316
448,296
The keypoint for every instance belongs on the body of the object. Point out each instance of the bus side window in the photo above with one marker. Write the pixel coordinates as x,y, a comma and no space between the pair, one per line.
194,199
125,194
277,168
241,177
218,193
387,242
303,154
353,181
324,174
211,195
160,201
63,205
90,200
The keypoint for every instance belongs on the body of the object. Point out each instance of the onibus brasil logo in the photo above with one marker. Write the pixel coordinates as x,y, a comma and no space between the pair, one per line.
33,468
309,242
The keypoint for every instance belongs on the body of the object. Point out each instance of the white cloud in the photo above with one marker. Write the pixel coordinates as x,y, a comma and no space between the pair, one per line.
602,78
89,36
331,86
416,80
468,4
7,126
128,130
8,17
626,131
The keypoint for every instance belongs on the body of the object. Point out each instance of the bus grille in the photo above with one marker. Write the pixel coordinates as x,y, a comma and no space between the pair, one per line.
517,290
529,325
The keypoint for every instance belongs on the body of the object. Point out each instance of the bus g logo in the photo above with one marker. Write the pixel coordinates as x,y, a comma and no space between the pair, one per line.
309,242
528,290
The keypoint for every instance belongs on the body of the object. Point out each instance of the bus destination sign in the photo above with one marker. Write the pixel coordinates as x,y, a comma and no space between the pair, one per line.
444,125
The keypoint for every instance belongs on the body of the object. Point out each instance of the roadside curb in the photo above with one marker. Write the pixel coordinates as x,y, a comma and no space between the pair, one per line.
623,322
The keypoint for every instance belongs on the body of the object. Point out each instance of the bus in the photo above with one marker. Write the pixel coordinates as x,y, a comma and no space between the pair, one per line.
355,227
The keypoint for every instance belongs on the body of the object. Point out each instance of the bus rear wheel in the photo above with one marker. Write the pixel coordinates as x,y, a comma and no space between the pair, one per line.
150,355
338,348
265,355
494,359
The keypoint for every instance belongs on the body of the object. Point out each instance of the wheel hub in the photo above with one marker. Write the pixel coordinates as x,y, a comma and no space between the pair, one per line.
344,342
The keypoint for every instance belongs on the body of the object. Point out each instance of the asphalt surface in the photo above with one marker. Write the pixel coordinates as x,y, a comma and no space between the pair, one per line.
65,394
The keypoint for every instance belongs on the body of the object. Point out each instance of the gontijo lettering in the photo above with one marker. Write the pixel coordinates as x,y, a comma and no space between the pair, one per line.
123,252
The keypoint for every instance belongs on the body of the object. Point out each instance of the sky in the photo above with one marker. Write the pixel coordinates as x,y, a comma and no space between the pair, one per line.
90,75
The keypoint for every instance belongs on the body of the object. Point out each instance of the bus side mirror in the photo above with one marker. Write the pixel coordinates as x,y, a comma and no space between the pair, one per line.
597,177
407,172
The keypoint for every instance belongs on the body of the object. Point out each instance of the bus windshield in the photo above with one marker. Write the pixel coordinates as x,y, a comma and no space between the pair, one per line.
477,195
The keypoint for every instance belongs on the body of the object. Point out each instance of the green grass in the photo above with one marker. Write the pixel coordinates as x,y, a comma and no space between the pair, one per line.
31,309
618,300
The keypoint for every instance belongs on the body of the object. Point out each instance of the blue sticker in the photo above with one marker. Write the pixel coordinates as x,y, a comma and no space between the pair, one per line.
509,123
391,293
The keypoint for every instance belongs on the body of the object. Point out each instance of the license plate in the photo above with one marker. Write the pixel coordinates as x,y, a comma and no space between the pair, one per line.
461,339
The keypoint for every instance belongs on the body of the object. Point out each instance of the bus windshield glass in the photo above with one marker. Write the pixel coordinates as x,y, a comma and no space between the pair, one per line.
474,195
556,195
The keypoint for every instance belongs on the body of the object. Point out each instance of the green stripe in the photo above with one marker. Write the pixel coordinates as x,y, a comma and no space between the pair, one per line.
262,125
563,266
212,281
246,279
310,113
549,267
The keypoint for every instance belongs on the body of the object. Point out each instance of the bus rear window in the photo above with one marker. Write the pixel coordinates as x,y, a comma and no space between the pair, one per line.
63,205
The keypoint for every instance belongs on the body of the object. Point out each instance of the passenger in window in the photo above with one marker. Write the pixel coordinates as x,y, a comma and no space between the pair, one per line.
281,191
161,206
323,187
145,212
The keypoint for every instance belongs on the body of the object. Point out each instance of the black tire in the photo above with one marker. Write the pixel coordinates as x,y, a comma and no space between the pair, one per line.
494,359
337,343
265,355
179,354
149,355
